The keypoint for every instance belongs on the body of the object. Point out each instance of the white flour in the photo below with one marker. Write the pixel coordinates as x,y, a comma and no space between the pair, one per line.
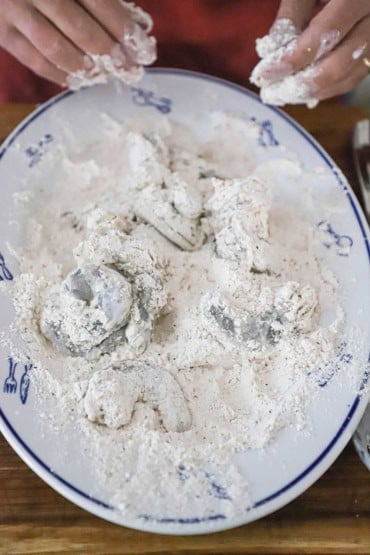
216,318
280,34
357,53
296,88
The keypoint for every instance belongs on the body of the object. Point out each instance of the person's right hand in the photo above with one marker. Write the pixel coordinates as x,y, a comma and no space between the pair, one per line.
335,42
55,37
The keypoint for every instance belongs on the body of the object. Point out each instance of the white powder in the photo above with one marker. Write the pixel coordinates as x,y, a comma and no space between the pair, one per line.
125,62
357,53
229,284
294,89
281,33
328,41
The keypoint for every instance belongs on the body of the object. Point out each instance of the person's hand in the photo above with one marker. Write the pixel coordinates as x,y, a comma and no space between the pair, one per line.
336,42
54,38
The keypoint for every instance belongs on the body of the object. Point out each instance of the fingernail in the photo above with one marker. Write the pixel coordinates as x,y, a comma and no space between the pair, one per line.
268,71
278,71
274,66
138,15
88,62
140,47
118,57
328,41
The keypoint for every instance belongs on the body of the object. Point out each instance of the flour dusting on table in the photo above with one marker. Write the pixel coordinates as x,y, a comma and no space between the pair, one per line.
174,310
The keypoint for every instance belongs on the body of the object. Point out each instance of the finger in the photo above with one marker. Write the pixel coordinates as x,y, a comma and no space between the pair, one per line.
336,74
28,55
344,86
78,25
343,69
138,15
291,18
325,31
299,13
117,20
50,42
111,14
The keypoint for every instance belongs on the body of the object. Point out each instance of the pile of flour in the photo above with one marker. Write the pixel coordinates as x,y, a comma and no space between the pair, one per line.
232,340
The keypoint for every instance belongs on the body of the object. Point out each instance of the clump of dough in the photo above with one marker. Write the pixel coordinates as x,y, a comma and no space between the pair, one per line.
239,210
168,201
113,297
86,308
113,393
291,311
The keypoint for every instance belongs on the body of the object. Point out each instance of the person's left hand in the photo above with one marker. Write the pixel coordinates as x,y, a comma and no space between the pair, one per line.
336,40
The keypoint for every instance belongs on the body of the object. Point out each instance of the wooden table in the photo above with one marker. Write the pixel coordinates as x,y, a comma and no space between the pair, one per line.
333,516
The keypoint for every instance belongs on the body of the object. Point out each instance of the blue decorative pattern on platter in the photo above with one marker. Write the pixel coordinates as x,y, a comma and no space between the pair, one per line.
143,97
11,383
266,135
35,153
341,244
5,273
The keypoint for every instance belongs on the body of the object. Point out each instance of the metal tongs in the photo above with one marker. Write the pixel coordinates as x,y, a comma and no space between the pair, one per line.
361,155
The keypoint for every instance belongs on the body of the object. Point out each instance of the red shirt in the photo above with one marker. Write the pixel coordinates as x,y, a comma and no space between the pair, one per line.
212,36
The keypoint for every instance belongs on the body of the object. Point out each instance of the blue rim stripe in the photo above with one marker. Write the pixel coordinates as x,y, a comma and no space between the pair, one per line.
344,425
32,118
341,183
48,469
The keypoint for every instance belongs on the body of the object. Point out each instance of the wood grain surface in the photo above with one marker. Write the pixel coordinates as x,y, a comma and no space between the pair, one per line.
332,517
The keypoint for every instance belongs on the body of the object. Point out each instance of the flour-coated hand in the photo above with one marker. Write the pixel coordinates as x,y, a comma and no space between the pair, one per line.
55,37
336,40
